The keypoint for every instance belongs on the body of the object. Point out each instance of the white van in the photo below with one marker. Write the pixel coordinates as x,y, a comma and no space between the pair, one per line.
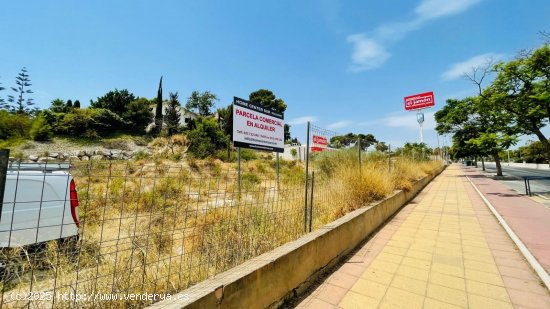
40,204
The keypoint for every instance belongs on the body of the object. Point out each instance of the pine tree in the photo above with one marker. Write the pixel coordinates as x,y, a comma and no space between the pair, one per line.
158,110
172,115
19,104
3,104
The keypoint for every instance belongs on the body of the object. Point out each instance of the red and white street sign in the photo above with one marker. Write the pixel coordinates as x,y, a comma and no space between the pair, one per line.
320,143
320,140
419,101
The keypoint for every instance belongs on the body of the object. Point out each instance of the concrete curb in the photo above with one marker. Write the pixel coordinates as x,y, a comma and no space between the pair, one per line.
285,272
543,275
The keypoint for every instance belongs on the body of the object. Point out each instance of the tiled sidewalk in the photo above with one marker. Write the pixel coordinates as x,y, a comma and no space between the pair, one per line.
442,250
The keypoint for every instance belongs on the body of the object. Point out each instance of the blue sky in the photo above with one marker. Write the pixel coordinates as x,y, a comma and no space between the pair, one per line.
346,65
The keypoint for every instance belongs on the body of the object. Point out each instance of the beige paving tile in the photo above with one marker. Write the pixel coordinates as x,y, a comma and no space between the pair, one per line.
485,277
377,275
481,302
430,303
487,290
445,294
409,284
370,288
481,266
331,294
402,299
412,272
354,300
453,282
419,255
388,257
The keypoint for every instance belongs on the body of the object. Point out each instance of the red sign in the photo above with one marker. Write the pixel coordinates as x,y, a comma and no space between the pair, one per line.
317,149
419,101
320,140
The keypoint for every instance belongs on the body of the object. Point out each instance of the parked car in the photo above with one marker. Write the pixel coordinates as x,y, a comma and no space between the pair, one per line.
40,204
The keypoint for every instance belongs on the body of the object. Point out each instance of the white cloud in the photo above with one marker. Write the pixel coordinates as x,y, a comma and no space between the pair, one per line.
458,69
371,51
339,125
367,53
431,9
302,120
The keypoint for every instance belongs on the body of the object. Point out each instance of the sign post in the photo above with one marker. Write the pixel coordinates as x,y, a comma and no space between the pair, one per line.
418,102
257,127
4,161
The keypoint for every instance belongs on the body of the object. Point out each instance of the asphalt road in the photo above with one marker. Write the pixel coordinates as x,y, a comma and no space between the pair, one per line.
541,187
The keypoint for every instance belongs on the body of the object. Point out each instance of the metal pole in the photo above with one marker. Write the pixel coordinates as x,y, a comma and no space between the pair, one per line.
277,171
438,148
389,157
307,174
311,200
359,149
4,161
421,133
239,170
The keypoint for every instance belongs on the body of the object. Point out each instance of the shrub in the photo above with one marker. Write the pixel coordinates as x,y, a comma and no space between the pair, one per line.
206,138
14,125
248,155
41,130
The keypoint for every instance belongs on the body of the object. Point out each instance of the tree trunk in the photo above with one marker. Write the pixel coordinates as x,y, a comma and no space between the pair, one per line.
545,143
475,161
483,163
497,162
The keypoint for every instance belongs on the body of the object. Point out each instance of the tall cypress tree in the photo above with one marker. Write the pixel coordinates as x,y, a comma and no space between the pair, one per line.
158,110
76,104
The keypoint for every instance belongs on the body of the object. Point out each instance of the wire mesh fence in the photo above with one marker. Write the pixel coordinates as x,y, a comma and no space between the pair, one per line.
140,228
130,233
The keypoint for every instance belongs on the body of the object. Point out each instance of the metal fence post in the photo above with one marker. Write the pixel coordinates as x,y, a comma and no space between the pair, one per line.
389,157
311,200
307,174
359,150
239,170
4,159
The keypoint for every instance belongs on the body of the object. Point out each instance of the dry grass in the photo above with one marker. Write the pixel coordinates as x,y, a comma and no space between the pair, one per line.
159,227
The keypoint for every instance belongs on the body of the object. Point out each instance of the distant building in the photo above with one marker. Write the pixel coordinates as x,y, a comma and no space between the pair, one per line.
185,116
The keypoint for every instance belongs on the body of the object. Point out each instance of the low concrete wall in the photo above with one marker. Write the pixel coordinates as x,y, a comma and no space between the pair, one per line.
538,166
271,278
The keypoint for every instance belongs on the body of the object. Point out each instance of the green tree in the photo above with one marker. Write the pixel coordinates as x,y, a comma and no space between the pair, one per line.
116,101
18,103
522,88
2,102
381,146
58,106
14,125
138,115
69,104
76,104
158,109
287,136
201,103
225,119
206,138
172,115
366,140
40,129
266,98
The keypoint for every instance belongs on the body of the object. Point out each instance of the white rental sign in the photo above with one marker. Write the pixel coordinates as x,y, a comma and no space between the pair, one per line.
257,127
